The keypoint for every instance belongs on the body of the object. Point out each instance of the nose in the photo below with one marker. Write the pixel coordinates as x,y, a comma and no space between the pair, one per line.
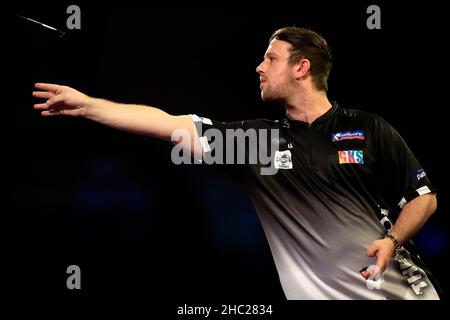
259,69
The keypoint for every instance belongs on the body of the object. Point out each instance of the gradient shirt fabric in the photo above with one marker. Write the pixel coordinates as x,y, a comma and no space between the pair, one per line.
339,185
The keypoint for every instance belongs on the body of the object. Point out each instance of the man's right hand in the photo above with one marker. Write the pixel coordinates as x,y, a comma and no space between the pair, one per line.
61,100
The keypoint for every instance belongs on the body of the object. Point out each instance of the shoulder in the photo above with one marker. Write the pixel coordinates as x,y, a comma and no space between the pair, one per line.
352,113
377,130
257,123
367,119
262,122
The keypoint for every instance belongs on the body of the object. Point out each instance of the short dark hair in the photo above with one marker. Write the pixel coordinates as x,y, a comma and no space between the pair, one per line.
308,44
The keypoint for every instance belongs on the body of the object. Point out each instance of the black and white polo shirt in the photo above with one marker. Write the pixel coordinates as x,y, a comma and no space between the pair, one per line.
324,192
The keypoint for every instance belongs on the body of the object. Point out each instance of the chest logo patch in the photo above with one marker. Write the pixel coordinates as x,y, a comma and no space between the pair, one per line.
351,156
348,135
283,159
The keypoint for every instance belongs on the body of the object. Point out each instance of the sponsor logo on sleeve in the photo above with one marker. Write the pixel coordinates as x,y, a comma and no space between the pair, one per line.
420,173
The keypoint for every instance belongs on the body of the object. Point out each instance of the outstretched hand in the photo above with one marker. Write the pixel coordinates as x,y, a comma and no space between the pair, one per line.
61,100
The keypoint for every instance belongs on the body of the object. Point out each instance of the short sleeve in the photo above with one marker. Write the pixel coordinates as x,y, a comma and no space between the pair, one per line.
223,146
400,175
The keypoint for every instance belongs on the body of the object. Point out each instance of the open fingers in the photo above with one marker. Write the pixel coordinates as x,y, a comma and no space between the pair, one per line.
41,106
51,112
49,104
47,110
43,94
47,86
55,99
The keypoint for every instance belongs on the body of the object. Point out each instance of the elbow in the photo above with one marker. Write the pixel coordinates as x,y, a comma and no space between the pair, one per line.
432,204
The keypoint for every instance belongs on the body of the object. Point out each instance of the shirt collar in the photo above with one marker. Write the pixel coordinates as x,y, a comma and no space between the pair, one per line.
326,116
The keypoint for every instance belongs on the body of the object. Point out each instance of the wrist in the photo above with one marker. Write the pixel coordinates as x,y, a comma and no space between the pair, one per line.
395,242
89,107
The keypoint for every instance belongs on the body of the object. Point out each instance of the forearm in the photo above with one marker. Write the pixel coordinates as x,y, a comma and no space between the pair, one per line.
140,119
413,216
132,118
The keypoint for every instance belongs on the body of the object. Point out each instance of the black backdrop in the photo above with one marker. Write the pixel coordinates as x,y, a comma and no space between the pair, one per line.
144,230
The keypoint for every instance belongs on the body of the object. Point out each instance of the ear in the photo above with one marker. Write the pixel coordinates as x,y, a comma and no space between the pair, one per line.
301,68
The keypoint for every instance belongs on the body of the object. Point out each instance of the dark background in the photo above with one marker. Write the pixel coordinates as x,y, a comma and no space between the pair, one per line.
146,231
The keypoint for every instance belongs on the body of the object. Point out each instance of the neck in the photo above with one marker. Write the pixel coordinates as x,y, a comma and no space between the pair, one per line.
307,107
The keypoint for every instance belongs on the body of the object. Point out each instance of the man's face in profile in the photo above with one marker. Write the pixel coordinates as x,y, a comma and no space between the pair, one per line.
275,72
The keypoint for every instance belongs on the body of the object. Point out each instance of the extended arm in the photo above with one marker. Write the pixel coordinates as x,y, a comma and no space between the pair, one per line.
145,120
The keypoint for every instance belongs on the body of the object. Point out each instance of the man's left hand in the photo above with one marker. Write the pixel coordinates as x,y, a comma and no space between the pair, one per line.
383,249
